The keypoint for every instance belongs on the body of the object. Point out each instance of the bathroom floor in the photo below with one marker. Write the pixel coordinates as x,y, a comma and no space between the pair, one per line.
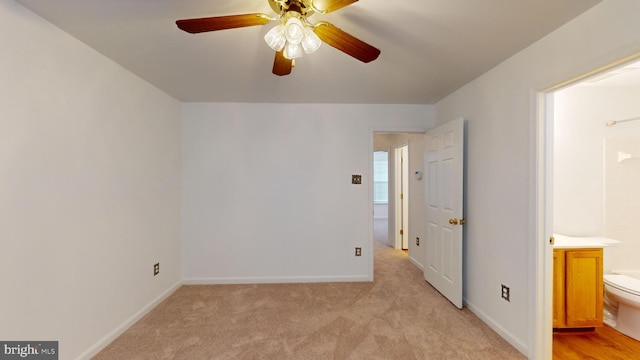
605,344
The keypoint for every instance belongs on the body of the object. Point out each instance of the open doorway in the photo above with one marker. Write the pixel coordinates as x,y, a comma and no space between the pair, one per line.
580,153
384,145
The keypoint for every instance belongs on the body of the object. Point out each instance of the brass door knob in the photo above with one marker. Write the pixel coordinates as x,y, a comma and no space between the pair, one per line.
453,221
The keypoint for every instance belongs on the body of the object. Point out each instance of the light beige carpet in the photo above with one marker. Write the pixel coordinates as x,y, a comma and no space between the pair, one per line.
398,316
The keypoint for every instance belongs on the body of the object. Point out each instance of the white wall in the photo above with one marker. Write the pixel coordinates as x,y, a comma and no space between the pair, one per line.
594,195
500,109
578,206
622,202
381,211
267,189
89,189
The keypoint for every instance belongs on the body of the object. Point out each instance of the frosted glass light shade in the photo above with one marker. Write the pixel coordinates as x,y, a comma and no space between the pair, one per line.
275,38
293,37
292,51
293,30
311,42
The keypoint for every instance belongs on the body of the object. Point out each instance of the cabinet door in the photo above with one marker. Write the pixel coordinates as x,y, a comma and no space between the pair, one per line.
584,288
558,289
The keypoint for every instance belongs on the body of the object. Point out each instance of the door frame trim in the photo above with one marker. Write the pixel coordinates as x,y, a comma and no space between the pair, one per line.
541,207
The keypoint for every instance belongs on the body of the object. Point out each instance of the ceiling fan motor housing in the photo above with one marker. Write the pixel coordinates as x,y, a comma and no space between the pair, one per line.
302,7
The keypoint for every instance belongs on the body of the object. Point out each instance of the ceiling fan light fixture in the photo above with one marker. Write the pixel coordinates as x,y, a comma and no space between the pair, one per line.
294,30
311,42
292,51
275,38
294,33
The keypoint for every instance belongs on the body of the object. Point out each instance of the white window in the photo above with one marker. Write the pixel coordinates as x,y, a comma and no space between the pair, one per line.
380,177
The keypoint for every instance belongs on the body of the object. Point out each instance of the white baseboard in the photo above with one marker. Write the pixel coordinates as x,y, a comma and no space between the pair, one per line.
510,338
416,263
100,345
274,280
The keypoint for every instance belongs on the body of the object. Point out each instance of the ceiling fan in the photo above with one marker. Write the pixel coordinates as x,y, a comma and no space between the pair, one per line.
294,33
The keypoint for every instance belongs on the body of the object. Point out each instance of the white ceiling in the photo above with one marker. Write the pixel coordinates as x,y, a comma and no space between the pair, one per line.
429,48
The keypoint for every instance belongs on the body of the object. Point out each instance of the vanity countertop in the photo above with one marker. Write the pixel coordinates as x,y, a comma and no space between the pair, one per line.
582,242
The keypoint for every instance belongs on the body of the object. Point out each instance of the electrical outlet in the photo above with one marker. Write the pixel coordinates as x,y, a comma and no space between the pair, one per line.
358,251
506,292
356,179
156,269
417,241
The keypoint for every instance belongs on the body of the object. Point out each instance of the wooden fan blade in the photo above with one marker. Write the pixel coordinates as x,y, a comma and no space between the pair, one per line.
195,26
333,36
281,65
327,6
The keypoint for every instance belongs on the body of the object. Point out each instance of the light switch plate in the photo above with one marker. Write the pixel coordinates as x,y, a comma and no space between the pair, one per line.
506,293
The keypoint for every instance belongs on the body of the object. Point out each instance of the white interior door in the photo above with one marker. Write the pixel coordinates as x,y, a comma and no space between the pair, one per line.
405,197
402,197
444,195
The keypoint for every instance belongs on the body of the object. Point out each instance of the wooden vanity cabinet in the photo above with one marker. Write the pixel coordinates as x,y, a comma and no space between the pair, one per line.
578,288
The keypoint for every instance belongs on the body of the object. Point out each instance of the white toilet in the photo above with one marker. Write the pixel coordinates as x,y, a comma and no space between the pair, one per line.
622,303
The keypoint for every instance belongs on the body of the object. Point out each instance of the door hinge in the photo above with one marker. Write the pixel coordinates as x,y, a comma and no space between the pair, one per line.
401,196
552,240
401,232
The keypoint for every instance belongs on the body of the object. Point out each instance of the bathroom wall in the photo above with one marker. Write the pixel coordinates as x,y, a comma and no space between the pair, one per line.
622,200
594,194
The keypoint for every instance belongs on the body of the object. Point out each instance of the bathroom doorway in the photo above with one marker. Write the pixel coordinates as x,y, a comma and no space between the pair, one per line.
578,193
